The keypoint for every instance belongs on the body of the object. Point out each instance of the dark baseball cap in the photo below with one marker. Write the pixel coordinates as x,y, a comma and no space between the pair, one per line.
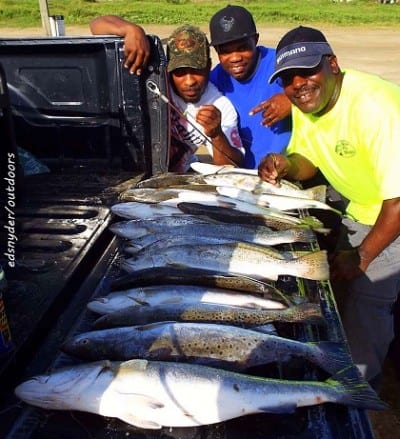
230,24
301,48
188,47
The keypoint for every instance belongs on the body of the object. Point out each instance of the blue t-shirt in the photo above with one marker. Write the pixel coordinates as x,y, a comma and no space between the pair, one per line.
257,139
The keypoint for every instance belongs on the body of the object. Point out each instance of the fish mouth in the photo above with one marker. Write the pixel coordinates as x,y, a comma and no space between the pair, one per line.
31,392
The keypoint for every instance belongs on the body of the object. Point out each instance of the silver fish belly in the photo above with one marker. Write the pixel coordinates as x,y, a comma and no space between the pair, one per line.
156,394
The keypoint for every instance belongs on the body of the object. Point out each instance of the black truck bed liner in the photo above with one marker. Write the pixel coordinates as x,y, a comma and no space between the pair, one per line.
101,135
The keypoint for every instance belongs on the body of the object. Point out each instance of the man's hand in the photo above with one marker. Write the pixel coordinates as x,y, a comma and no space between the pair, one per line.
136,44
274,109
273,167
209,117
346,265
136,49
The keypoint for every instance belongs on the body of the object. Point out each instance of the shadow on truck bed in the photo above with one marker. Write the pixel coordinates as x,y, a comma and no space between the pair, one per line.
70,103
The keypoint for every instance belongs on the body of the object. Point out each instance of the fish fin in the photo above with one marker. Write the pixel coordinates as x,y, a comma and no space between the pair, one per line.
282,408
314,265
304,312
303,235
140,422
354,390
268,328
312,222
154,325
139,301
317,193
224,203
136,364
331,356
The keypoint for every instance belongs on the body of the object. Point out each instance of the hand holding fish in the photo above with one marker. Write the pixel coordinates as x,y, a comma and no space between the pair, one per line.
346,265
274,109
273,167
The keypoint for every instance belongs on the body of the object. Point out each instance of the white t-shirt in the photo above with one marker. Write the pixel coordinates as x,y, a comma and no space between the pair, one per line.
184,131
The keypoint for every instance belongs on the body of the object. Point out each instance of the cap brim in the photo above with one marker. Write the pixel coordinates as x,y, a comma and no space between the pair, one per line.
171,66
306,62
234,38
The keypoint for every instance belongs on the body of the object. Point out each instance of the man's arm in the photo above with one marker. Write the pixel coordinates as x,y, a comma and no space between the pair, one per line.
273,167
209,117
346,265
136,44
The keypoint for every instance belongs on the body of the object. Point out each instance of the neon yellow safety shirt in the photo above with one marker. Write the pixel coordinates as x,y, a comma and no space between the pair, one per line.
356,145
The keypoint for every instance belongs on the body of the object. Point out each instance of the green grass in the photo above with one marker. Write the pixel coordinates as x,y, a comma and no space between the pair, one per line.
25,13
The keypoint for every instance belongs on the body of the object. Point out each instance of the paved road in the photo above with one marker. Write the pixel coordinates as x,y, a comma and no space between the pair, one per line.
374,50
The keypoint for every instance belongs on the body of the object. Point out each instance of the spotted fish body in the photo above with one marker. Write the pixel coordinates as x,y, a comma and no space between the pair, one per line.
233,216
220,233
209,313
195,276
152,394
162,294
226,346
237,258
136,228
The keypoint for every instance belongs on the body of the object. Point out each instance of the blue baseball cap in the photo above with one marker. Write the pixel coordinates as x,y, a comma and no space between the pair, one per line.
301,48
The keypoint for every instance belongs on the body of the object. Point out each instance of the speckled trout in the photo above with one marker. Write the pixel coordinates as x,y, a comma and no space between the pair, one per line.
134,209
225,346
169,179
253,183
136,228
209,313
156,195
152,394
235,232
197,276
161,294
233,216
237,258
281,202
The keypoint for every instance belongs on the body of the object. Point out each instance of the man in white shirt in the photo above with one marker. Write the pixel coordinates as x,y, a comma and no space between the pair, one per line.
200,114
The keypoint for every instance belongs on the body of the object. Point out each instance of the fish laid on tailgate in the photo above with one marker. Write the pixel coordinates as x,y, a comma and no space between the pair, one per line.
231,215
210,313
163,294
196,276
238,258
152,394
225,346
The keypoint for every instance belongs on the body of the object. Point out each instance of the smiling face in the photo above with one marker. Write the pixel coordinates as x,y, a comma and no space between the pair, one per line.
314,90
239,58
189,83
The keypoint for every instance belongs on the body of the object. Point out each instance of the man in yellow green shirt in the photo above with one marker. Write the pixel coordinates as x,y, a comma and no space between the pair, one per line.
346,124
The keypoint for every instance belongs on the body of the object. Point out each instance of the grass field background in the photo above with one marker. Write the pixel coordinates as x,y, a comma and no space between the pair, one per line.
26,13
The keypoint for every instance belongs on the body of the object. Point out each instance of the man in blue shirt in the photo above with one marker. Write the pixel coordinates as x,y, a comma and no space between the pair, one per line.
263,109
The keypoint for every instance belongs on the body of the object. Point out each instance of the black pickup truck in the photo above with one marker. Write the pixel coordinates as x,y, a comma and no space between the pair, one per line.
99,130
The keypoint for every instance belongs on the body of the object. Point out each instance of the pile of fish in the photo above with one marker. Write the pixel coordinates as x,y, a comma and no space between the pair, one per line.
199,306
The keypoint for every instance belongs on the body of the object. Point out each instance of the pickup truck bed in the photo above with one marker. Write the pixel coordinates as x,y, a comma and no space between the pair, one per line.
99,131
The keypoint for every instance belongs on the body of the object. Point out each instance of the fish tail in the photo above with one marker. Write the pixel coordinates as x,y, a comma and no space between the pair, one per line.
303,235
330,356
317,193
353,390
313,265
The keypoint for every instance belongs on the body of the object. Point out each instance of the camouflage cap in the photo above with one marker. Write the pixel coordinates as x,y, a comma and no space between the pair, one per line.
188,47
